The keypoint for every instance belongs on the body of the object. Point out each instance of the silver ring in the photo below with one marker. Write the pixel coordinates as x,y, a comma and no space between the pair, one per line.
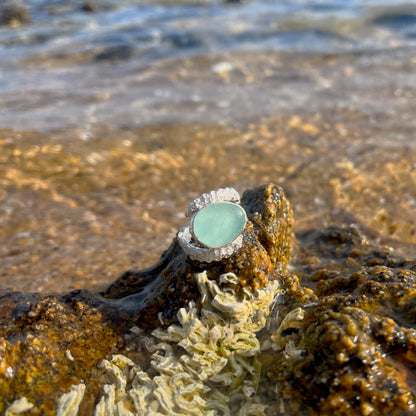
225,203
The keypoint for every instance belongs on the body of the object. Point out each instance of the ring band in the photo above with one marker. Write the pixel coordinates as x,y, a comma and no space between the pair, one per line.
217,232
222,194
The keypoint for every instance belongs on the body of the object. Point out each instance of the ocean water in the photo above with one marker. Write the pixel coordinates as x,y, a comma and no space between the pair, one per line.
74,66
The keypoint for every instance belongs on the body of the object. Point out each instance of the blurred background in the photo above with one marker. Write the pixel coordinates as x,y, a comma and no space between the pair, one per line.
115,114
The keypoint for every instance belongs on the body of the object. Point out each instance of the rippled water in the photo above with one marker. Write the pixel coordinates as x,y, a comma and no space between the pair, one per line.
115,114
73,68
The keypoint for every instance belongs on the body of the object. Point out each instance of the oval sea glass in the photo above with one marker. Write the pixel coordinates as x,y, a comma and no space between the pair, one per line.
219,224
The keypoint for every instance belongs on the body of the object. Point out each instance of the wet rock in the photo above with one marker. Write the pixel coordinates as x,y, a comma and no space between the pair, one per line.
50,342
266,247
14,15
353,350
332,334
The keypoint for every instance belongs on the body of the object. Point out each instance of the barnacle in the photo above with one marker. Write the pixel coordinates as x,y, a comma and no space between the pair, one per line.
206,364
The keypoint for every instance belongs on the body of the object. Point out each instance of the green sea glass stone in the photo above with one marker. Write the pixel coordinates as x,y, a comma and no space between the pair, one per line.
219,224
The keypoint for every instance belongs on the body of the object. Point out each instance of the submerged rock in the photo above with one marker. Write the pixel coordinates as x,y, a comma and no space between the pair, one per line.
334,334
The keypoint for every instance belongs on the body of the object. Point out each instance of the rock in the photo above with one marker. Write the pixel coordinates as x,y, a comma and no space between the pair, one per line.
266,247
36,333
14,15
332,334
353,350
50,342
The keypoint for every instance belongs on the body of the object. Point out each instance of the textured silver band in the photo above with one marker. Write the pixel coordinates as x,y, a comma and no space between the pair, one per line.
204,254
185,237
222,194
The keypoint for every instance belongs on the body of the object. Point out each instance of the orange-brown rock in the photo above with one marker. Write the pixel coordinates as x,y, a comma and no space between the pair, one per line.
50,342
354,352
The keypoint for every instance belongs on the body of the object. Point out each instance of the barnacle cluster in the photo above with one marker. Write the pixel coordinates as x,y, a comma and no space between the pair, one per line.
206,364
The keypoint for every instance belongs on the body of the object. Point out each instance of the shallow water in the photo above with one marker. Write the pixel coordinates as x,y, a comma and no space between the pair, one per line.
73,69
113,120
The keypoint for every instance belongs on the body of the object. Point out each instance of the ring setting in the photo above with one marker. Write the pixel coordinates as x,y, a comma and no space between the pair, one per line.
216,227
